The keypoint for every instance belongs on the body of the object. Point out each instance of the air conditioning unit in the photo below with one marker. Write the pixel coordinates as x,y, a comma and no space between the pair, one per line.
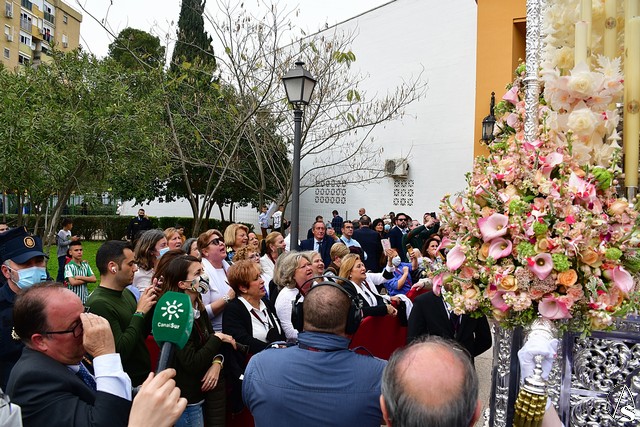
8,13
65,44
9,37
397,168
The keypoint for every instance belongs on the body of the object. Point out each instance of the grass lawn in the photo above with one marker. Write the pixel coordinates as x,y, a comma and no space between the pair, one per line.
89,254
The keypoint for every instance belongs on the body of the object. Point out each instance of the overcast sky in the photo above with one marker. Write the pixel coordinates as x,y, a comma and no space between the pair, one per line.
156,16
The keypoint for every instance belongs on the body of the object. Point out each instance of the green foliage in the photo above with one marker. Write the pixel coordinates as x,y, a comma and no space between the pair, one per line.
193,44
137,50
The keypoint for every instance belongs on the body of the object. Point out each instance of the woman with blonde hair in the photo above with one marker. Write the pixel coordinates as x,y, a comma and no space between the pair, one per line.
374,304
235,237
174,238
338,251
293,272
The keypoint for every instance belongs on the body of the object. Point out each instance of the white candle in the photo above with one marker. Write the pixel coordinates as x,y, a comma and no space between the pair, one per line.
631,131
585,15
610,30
580,51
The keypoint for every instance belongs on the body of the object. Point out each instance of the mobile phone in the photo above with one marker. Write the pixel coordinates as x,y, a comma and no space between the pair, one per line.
409,247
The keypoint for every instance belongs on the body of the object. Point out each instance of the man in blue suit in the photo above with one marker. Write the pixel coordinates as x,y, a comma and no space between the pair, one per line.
320,242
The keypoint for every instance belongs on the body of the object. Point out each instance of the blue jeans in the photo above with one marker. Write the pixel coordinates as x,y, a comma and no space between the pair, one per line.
61,263
192,416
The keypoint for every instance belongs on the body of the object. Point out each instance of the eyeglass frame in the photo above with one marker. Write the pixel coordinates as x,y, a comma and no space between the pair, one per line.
68,331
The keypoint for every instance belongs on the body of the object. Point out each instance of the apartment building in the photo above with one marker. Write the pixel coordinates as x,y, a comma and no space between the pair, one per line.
33,28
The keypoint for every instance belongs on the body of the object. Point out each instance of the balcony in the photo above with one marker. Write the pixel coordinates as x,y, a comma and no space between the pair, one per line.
49,17
26,4
25,25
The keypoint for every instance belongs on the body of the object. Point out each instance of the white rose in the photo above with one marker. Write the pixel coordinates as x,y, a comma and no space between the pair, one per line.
584,84
582,121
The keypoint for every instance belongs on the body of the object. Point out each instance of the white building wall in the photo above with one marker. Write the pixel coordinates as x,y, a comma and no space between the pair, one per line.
394,42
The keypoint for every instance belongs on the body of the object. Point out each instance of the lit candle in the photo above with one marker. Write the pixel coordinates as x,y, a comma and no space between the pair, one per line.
585,15
631,132
580,51
610,30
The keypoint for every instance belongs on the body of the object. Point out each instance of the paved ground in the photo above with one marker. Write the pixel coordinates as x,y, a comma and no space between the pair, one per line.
483,368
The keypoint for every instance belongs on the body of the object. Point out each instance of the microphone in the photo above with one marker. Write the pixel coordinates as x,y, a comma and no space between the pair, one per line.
172,323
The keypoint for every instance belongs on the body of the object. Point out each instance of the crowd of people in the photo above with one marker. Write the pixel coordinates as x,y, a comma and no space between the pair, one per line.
270,316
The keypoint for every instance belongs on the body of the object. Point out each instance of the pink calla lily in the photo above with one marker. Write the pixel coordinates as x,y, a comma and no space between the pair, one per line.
493,226
511,95
552,308
445,243
500,248
622,279
439,281
455,258
495,296
541,265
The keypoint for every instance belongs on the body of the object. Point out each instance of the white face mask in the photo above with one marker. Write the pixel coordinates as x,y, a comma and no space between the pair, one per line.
396,261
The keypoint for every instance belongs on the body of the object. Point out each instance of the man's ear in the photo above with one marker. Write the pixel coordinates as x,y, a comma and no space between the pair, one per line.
5,271
39,343
385,413
476,414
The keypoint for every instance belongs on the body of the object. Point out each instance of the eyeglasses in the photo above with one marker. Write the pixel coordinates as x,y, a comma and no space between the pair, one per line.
75,330
401,219
215,242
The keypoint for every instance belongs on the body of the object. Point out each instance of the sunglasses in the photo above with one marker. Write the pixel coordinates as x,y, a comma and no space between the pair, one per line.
215,242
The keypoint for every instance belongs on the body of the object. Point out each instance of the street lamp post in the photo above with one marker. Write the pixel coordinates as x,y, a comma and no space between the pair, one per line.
299,85
489,121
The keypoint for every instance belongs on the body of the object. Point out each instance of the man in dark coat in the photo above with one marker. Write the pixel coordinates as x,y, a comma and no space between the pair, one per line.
320,242
370,241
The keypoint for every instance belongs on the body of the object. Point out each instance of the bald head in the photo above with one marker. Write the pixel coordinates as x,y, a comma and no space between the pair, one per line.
325,310
430,382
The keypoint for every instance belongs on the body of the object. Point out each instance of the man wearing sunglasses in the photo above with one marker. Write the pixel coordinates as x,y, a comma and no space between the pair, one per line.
51,382
23,265
397,233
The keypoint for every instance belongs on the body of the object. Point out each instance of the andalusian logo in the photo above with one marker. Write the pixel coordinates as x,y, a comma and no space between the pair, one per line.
29,242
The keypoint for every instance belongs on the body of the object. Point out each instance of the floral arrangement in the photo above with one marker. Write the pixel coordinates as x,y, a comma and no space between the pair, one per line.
540,230
559,19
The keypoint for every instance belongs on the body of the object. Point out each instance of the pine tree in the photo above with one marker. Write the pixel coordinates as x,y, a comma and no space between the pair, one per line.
193,44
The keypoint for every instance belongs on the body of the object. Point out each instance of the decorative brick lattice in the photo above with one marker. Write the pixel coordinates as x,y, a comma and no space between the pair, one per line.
403,192
331,192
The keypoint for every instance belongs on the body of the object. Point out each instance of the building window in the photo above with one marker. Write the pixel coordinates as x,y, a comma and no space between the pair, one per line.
7,53
25,22
65,41
23,59
25,39
8,32
65,18
27,4
8,10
